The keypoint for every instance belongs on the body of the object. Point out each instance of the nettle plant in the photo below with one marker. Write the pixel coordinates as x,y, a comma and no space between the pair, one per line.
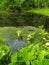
37,51
4,50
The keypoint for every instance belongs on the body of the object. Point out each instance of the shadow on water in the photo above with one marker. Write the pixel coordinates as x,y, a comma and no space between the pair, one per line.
22,19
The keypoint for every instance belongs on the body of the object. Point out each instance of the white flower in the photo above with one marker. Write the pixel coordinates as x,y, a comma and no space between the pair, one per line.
29,36
47,44
44,38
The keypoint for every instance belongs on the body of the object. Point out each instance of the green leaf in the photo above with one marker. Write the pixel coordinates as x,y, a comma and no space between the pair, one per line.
14,58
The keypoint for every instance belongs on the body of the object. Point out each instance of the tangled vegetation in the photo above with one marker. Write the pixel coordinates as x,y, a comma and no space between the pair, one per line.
23,4
37,50
23,13
35,53
4,51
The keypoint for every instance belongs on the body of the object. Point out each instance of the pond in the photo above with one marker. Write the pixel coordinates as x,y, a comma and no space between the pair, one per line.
23,18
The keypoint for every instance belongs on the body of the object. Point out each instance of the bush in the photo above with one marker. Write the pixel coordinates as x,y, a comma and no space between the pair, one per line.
4,51
37,50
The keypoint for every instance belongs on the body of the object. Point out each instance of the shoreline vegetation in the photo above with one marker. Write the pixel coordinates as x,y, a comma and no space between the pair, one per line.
42,11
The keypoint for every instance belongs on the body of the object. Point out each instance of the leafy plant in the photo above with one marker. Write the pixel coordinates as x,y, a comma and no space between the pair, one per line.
33,36
33,54
4,51
36,52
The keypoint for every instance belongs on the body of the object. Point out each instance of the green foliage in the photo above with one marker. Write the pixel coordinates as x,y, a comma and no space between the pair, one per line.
36,4
8,4
18,4
36,53
4,51
34,36
33,54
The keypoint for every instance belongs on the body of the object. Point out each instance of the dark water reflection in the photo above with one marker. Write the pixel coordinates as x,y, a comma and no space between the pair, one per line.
24,18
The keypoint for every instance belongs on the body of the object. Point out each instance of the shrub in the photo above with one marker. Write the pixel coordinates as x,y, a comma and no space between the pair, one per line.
37,50
4,51
31,55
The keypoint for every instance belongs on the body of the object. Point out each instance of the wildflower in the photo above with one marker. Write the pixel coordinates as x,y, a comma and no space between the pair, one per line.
29,36
44,38
47,44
